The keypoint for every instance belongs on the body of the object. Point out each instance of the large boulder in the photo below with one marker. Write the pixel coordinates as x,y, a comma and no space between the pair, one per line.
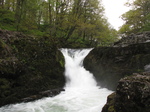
109,64
28,66
132,95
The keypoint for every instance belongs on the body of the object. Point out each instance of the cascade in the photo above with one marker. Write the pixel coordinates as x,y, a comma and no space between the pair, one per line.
81,91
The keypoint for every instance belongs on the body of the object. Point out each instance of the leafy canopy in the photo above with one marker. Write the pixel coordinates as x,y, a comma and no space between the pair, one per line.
138,18
66,21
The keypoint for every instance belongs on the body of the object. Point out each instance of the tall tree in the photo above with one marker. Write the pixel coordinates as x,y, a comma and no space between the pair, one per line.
138,18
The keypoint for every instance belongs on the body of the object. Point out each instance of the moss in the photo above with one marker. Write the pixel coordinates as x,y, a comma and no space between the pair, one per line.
111,109
109,106
4,83
5,87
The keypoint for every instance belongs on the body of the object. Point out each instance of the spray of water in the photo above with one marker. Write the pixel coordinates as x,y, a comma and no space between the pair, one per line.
81,91
75,73
147,68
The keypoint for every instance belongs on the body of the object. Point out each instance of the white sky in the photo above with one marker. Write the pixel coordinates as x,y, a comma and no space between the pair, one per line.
113,10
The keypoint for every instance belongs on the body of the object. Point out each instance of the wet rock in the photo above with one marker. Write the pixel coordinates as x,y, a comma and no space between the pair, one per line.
51,93
110,64
109,106
47,93
28,65
31,98
132,95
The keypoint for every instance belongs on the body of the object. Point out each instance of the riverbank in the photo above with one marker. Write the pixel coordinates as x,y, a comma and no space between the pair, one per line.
28,65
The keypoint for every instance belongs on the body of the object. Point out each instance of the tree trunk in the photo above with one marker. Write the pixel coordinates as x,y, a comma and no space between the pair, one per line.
18,13
50,16
2,4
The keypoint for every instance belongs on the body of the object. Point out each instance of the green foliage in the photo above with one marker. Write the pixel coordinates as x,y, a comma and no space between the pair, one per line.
7,19
125,29
36,32
69,21
6,16
138,18
146,27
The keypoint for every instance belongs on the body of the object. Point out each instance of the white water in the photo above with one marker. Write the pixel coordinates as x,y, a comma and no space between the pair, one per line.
81,92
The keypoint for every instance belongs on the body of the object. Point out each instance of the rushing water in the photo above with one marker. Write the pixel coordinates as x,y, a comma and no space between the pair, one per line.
81,91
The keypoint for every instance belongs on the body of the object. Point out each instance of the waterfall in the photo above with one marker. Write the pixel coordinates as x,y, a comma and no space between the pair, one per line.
81,91
75,73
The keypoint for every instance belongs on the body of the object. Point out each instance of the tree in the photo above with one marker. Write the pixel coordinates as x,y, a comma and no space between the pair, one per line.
67,21
137,19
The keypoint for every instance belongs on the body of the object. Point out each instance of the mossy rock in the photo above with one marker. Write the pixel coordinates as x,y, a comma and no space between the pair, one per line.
109,106
34,64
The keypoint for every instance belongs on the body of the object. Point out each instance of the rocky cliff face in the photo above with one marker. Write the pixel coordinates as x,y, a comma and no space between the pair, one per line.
109,64
132,95
28,66
113,68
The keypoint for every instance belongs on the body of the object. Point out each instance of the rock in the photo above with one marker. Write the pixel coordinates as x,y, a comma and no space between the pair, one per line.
28,65
51,93
109,106
133,39
31,98
110,64
132,95
47,93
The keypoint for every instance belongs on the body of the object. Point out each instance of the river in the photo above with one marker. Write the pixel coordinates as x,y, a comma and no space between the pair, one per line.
81,91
